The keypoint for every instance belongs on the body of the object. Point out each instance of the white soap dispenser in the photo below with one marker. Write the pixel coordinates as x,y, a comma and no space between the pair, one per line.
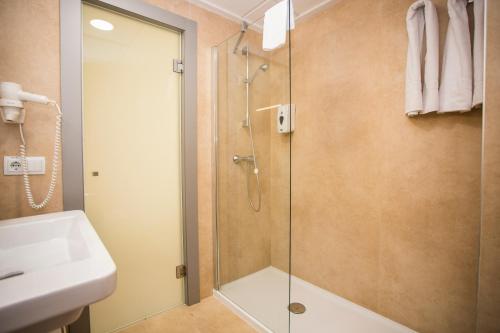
285,118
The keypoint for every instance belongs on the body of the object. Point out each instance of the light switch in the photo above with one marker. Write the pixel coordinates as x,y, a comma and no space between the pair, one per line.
12,165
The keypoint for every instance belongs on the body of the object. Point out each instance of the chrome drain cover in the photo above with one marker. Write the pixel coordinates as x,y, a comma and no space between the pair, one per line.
297,308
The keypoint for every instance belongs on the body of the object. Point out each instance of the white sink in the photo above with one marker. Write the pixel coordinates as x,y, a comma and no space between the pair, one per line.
63,267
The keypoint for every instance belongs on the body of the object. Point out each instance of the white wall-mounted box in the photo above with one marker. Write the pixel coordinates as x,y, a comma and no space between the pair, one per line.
12,165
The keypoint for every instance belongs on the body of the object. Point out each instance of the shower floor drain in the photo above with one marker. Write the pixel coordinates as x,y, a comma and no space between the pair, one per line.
296,308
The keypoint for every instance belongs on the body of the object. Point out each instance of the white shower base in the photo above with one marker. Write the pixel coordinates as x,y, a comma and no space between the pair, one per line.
261,299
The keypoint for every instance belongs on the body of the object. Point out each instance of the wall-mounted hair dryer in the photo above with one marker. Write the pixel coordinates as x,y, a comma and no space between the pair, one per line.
12,97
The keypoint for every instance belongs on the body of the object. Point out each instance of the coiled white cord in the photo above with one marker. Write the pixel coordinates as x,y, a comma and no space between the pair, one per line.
55,163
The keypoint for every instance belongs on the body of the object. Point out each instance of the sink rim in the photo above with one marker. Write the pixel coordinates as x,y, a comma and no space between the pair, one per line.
67,287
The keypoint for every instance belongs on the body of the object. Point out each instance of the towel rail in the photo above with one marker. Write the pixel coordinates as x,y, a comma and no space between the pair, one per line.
268,108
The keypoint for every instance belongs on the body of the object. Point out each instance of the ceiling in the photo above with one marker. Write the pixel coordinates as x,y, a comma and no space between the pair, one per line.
253,10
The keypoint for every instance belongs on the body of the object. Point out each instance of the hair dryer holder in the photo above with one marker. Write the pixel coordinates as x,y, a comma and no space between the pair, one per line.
12,97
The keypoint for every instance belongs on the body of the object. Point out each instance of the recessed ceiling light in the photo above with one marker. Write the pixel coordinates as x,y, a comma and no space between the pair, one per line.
101,25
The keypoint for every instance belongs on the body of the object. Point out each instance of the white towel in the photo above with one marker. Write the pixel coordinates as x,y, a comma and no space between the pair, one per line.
478,56
276,25
422,14
455,93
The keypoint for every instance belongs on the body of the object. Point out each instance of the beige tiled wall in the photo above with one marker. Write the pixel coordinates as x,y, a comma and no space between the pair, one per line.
30,54
29,40
489,278
385,209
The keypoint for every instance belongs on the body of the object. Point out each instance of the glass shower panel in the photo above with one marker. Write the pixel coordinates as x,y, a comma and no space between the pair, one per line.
387,210
253,178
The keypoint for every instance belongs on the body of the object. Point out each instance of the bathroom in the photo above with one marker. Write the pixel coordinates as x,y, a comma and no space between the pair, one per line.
250,166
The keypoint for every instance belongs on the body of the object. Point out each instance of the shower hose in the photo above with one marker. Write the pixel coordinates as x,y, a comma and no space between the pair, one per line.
255,207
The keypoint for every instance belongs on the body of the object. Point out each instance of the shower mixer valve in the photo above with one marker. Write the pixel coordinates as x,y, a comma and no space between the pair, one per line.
237,159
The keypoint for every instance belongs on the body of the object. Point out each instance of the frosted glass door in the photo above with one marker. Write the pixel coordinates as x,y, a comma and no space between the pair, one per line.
132,162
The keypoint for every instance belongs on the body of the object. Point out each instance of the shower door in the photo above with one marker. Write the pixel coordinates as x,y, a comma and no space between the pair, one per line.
253,178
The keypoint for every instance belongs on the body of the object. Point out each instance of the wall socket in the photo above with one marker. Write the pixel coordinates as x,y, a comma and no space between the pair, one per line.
12,165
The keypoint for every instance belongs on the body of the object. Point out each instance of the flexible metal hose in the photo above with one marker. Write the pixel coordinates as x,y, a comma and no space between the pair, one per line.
252,143
254,171
55,163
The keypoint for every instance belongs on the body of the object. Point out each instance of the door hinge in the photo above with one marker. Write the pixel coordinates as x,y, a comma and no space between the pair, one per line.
180,271
178,66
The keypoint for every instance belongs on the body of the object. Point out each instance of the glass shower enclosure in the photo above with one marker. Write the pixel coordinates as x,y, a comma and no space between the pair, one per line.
392,223
252,104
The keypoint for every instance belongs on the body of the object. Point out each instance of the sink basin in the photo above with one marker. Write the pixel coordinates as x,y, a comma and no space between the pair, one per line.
51,267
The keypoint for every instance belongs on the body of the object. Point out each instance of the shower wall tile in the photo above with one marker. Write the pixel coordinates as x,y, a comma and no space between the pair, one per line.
385,209
33,58
489,278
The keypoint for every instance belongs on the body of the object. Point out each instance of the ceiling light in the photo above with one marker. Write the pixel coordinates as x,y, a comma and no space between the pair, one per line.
101,25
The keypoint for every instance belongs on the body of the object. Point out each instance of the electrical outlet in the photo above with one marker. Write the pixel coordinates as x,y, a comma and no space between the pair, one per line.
12,165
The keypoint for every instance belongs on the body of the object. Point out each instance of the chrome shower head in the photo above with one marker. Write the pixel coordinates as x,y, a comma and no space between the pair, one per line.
263,67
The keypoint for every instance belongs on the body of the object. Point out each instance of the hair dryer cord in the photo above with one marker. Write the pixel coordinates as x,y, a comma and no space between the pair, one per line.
55,163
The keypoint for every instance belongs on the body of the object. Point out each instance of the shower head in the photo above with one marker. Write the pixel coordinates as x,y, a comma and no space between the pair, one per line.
263,68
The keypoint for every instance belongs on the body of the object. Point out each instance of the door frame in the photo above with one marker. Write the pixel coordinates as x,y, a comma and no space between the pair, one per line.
72,133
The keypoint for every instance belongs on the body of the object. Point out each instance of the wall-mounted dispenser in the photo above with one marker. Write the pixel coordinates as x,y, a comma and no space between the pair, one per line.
12,109
285,117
